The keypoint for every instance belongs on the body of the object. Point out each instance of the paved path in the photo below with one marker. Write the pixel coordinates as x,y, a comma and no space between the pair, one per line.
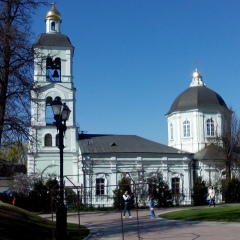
109,225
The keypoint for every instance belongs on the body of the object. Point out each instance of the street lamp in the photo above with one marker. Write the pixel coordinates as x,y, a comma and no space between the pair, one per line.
61,114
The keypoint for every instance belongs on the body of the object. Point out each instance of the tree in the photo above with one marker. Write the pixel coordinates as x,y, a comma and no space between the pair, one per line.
139,180
148,185
71,198
199,195
123,185
232,193
22,184
34,192
9,168
141,186
230,142
16,65
14,152
159,190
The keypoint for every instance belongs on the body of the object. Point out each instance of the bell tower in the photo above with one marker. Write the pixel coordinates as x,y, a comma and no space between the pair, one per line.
53,77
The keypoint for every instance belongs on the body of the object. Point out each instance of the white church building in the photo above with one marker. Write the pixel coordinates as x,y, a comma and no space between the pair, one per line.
96,162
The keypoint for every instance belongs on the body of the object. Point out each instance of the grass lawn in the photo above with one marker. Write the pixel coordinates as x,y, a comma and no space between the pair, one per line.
16,223
217,214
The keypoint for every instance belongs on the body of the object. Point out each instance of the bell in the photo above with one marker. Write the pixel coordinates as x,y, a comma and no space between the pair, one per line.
55,74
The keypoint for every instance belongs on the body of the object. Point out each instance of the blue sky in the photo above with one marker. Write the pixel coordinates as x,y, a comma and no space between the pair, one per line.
134,57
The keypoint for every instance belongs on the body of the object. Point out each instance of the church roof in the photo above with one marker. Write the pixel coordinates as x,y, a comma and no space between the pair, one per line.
105,144
198,97
53,39
201,98
210,152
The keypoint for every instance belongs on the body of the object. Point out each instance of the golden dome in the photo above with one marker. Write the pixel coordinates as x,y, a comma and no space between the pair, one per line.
53,13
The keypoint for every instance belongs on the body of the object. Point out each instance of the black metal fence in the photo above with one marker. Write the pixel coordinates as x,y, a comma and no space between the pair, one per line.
90,198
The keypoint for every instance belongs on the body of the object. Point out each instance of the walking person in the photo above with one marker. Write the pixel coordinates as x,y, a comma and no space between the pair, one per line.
151,206
127,201
211,194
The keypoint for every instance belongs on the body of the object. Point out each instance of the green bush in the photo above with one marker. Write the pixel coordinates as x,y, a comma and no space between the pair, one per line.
200,192
160,192
232,193
43,197
124,185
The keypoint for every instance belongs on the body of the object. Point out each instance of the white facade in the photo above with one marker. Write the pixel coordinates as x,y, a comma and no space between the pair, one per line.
101,172
195,125
198,138
54,78
90,161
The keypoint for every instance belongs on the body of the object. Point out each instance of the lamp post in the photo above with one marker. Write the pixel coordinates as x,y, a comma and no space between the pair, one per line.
61,114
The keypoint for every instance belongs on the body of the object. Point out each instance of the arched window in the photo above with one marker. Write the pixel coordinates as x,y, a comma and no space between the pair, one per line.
48,68
49,117
210,127
151,186
48,140
175,185
100,186
186,128
53,69
53,26
171,131
154,182
57,140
